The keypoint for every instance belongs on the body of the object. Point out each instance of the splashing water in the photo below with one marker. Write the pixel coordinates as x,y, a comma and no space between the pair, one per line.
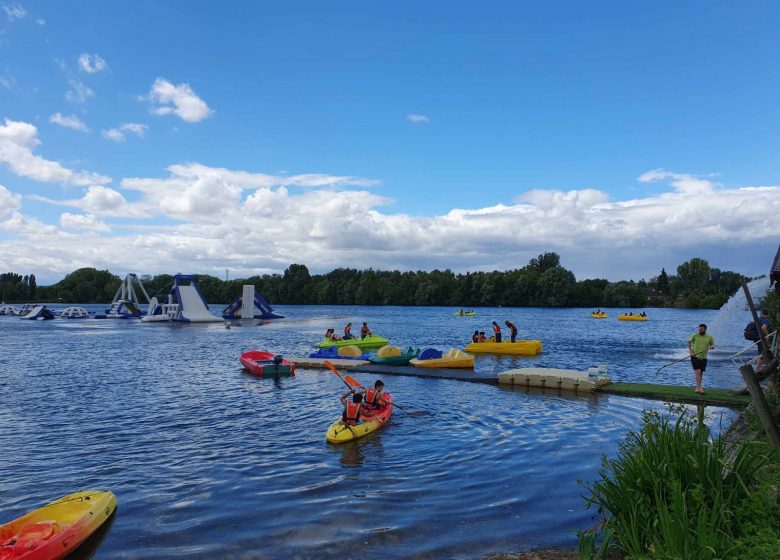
735,311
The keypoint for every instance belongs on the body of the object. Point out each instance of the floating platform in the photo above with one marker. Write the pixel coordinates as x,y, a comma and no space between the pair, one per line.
319,363
711,397
550,378
437,373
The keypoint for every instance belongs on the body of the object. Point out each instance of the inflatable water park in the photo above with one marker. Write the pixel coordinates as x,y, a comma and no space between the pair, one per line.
184,304
259,308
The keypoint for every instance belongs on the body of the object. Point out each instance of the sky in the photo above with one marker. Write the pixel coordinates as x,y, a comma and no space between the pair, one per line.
196,137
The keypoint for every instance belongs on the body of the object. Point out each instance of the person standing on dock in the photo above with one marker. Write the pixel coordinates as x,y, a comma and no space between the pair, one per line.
698,345
512,330
497,331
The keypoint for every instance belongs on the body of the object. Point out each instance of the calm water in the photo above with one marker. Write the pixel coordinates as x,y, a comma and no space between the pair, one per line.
208,462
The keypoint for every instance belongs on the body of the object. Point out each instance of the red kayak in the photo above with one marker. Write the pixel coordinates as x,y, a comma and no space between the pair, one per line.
263,364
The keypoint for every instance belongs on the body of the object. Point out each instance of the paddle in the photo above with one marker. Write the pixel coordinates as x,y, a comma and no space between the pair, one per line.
680,360
351,382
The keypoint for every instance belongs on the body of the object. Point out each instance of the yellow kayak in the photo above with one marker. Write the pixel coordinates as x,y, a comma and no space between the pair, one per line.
453,359
339,433
599,315
56,529
517,348
631,318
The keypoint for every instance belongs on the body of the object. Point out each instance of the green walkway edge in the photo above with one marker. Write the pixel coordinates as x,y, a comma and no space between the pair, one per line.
712,397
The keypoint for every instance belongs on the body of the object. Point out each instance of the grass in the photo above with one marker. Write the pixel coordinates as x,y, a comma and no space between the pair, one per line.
670,494
712,396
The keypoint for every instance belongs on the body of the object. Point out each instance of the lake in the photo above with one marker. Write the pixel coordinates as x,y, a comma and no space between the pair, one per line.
209,462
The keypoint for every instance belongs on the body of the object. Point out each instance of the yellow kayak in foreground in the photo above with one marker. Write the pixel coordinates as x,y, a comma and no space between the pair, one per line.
56,529
339,433
517,348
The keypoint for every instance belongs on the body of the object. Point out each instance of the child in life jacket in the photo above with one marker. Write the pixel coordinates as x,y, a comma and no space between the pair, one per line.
353,408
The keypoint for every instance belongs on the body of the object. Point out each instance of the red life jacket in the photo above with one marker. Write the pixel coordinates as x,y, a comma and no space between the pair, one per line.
371,396
347,331
351,412
496,329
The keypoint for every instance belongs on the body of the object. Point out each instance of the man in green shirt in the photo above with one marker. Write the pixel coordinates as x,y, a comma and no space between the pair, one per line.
698,345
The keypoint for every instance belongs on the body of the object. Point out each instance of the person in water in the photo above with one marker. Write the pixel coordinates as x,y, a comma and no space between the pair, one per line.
482,336
698,345
512,330
475,336
365,331
374,400
348,332
353,408
496,331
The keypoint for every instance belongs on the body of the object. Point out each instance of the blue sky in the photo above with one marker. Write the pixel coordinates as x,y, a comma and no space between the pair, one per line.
509,98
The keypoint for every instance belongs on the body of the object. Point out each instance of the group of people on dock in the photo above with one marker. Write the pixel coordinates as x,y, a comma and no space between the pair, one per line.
479,336
330,334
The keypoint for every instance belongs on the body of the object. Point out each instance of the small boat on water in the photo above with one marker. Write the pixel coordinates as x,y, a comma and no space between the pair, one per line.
601,315
627,317
516,348
55,530
368,343
393,356
342,353
266,364
339,433
74,313
465,313
431,358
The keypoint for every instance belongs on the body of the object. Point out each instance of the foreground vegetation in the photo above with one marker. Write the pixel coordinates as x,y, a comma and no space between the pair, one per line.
672,494
543,282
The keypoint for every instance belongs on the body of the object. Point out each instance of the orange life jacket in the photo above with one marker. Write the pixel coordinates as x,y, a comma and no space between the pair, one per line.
351,412
496,329
371,396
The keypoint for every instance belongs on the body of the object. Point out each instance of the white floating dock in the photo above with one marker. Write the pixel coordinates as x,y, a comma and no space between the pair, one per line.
319,363
568,379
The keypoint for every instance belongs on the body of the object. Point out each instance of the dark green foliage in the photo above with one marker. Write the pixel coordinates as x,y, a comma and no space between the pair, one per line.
542,282
671,494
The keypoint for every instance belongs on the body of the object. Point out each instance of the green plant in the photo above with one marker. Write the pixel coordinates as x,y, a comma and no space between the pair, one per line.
670,492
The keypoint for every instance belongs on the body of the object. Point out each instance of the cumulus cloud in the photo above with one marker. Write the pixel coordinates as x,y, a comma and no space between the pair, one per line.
257,222
87,222
682,182
91,63
71,121
79,92
167,98
14,11
8,201
19,139
417,118
118,134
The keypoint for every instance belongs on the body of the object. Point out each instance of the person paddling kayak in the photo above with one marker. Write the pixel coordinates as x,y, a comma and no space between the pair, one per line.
497,331
353,408
374,398
512,330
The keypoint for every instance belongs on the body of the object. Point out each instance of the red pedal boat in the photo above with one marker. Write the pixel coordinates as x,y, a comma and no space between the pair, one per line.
266,364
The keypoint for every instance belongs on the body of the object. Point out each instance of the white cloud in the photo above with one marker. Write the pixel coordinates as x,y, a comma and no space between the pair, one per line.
417,118
682,182
68,122
180,100
19,139
252,222
88,222
8,201
79,92
118,134
91,63
14,11
40,21
8,83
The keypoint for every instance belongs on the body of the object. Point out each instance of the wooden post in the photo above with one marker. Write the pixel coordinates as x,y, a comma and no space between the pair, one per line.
767,354
760,404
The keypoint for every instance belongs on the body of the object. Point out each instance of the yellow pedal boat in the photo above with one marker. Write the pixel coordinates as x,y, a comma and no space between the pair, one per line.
631,318
517,348
599,315
454,358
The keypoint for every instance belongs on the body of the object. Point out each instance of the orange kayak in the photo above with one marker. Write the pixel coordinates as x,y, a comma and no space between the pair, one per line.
57,529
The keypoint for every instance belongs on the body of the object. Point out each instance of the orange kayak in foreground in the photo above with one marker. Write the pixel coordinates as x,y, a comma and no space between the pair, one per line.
57,529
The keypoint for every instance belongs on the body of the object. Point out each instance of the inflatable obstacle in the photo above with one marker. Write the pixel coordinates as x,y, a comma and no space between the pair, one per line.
258,309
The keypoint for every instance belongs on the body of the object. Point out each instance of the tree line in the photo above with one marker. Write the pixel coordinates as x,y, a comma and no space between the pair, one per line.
543,282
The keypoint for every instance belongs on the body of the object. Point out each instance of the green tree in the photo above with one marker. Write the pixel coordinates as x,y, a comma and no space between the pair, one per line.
556,287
